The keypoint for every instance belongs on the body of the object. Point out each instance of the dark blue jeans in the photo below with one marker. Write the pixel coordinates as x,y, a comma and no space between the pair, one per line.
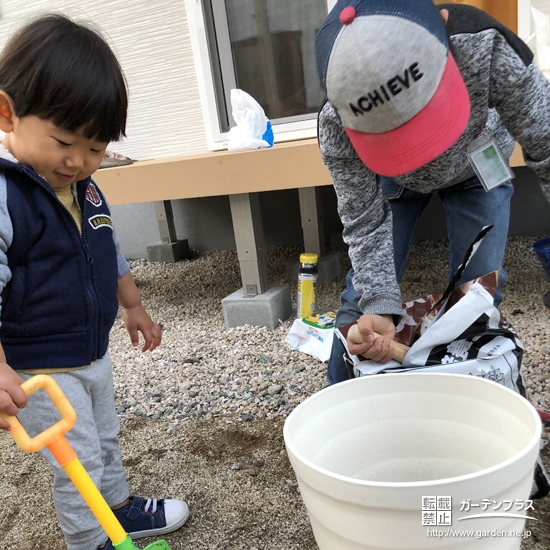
468,207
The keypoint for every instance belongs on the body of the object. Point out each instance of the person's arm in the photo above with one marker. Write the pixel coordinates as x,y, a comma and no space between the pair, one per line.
135,316
12,396
366,217
122,264
521,95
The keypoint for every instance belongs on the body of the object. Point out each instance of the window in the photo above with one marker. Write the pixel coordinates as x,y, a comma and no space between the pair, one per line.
267,49
534,23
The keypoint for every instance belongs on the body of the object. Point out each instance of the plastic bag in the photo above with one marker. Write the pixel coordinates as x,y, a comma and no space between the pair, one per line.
253,130
457,331
465,334
313,335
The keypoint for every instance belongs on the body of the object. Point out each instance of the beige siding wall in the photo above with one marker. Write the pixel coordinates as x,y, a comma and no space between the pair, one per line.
151,41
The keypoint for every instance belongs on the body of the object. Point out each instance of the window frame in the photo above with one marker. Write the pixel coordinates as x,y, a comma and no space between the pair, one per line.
207,83
525,24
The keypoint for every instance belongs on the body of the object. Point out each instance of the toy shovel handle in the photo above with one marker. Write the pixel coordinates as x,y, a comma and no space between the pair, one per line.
51,434
399,350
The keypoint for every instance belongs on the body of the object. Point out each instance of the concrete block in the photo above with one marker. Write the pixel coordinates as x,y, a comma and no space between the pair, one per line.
261,310
329,269
169,253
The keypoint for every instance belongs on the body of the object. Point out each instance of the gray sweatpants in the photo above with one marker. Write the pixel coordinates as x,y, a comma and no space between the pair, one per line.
95,441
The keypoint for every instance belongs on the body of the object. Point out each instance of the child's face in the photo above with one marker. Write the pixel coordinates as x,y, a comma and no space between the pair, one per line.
59,156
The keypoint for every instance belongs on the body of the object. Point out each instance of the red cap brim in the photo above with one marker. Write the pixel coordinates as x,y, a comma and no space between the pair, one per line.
423,138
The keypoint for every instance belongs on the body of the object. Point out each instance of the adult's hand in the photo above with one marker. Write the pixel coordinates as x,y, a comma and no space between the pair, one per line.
376,348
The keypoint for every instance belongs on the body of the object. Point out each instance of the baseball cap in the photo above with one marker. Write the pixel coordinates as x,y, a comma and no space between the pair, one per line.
388,72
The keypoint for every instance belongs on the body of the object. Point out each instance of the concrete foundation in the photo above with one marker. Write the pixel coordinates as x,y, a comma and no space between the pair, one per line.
169,253
329,269
261,310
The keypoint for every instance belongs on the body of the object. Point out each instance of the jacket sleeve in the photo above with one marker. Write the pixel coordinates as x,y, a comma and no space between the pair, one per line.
521,95
366,217
122,264
6,235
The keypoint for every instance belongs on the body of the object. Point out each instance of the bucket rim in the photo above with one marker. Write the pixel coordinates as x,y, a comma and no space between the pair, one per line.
534,441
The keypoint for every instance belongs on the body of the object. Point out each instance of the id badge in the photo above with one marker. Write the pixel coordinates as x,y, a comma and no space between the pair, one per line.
488,162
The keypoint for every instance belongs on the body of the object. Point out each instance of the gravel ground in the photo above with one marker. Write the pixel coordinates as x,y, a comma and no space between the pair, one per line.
202,415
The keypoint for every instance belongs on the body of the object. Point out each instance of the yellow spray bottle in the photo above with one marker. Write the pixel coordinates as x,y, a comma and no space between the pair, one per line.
307,279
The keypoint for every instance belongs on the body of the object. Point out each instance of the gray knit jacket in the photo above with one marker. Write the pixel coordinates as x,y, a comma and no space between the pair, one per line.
510,98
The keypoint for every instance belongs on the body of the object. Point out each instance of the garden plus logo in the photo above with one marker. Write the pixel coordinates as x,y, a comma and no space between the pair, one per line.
497,509
437,511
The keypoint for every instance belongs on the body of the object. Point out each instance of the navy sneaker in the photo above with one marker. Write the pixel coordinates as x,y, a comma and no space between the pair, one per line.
149,517
106,546
546,300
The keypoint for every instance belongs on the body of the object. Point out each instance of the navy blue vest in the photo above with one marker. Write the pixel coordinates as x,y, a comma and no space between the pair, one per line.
61,302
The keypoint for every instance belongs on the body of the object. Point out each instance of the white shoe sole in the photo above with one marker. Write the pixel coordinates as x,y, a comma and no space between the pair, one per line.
163,530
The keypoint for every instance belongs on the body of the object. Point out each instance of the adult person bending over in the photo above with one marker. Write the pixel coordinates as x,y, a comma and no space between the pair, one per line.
409,89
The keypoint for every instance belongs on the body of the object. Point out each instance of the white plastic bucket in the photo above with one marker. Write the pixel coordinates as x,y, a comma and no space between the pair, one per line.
367,452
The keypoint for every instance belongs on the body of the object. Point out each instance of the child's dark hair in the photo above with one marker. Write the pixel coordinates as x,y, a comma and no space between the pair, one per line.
62,71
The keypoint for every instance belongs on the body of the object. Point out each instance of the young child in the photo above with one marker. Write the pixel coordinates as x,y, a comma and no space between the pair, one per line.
62,276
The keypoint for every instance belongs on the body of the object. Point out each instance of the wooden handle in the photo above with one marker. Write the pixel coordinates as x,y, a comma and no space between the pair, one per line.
399,350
